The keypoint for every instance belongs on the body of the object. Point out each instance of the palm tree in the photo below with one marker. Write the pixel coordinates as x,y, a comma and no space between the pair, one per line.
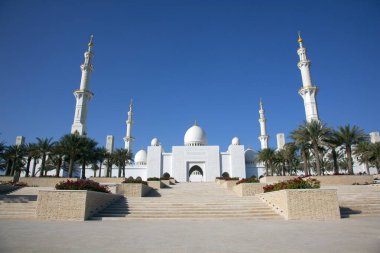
363,154
35,154
87,153
2,156
30,149
375,155
289,155
56,157
100,156
348,137
120,158
15,155
266,156
44,146
316,134
333,143
71,145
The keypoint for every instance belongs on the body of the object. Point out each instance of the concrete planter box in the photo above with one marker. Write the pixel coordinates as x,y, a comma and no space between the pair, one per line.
304,204
219,181
248,189
72,205
132,190
275,179
172,181
108,180
155,184
229,184
6,179
44,181
344,179
166,183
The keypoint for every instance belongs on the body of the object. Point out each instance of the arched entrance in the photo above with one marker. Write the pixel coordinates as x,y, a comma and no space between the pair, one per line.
195,174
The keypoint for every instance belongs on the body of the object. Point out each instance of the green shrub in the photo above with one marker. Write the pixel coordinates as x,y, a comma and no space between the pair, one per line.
296,183
231,178
248,180
131,180
87,185
153,179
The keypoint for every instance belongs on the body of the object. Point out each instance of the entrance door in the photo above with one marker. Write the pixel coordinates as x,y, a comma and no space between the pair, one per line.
195,174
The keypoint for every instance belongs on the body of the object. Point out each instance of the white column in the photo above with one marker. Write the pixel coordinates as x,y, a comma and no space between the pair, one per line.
83,95
263,138
128,136
308,92
280,141
110,144
20,140
375,137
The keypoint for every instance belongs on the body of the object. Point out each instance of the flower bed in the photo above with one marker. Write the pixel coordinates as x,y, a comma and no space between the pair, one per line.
87,185
248,180
296,183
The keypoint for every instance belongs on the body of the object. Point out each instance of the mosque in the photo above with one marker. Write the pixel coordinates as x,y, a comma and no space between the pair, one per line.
195,161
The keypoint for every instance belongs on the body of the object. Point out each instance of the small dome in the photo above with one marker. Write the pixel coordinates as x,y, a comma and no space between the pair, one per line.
235,141
249,156
140,157
155,142
195,136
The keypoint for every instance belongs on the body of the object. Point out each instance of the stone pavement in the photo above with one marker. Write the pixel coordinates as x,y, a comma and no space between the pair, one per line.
193,236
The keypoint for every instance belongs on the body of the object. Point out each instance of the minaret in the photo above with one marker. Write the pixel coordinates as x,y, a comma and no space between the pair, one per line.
263,130
83,95
128,138
308,91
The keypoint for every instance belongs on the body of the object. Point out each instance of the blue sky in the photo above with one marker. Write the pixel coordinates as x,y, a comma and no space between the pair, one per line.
181,61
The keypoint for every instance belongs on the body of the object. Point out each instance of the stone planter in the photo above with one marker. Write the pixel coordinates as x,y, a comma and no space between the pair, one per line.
248,189
172,181
304,204
72,205
344,179
220,181
229,184
132,190
166,183
44,181
5,179
155,184
275,179
108,180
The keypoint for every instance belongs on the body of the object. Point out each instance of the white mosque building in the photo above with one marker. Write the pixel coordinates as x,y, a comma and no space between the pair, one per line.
195,160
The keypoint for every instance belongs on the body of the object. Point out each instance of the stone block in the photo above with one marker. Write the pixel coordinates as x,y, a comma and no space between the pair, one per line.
275,179
172,181
248,189
165,183
344,179
304,204
72,205
108,180
229,184
5,179
155,184
44,181
133,190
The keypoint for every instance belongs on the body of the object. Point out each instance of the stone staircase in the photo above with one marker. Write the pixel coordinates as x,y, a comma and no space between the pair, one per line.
359,200
189,201
20,204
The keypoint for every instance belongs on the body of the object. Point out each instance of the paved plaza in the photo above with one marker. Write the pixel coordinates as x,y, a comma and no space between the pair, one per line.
346,235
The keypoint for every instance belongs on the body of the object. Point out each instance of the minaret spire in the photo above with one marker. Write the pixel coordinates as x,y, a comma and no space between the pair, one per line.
83,95
263,130
128,137
308,92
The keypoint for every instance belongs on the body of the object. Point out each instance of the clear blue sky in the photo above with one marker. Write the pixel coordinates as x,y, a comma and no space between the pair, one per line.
181,61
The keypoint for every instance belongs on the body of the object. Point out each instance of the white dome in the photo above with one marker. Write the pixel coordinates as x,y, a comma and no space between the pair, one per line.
249,156
155,142
140,157
235,141
195,136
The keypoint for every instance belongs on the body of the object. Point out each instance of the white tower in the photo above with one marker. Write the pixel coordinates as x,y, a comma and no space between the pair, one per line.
83,95
280,141
263,129
308,91
128,137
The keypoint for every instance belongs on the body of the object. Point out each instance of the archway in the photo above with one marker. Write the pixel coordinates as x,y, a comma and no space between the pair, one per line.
195,174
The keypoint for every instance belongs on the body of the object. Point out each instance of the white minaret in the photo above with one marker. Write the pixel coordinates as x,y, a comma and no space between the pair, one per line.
308,91
83,95
263,129
128,137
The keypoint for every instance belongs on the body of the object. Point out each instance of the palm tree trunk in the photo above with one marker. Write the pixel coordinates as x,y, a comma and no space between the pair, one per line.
317,161
349,160
109,172
42,165
119,172
58,170
28,166
83,170
100,169
9,167
34,167
266,169
335,161
124,171
305,169
13,167
94,173
367,168
71,165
